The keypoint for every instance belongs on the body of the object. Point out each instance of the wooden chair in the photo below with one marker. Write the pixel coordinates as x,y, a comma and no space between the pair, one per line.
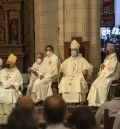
108,120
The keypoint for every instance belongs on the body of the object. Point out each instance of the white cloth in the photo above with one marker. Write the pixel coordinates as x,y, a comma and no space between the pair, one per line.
73,85
100,87
113,30
117,31
42,88
35,67
10,96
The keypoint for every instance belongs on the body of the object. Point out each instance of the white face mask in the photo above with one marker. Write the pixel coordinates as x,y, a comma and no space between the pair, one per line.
39,60
49,53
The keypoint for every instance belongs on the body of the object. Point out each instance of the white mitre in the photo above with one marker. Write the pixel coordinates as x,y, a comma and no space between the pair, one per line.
74,45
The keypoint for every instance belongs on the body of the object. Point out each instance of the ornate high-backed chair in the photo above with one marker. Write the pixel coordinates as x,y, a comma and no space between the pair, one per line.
84,48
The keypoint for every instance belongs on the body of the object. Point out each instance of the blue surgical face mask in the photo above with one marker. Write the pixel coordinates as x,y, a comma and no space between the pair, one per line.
73,53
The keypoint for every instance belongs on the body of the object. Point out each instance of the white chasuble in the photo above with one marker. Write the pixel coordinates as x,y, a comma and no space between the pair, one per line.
35,67
42,88
100,87
8,78
73,85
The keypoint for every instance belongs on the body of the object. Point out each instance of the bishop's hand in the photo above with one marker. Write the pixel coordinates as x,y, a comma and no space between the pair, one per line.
85,72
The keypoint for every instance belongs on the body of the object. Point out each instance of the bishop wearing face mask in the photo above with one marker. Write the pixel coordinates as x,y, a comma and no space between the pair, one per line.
109,71
73,85
48,74
34,71
10,81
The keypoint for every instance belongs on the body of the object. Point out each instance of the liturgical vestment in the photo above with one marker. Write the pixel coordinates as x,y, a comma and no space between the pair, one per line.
35,67
100,87
8,97
42,87
73,85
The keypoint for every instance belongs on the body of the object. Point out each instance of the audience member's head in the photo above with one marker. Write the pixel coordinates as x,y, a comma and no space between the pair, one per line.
25,102
54,109
21,118
117,91
82,118
49,50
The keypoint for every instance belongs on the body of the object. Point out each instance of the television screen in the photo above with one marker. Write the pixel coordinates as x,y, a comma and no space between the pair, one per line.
110,35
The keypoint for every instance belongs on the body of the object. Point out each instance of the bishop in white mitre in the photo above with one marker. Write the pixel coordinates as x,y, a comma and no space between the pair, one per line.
34,71
76,69
109,71
10,81
47,75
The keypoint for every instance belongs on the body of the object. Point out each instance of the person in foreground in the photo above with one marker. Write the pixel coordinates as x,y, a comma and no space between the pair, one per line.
113,106
21,118
76,70
82,118
55,112
25,102
109,71
10,82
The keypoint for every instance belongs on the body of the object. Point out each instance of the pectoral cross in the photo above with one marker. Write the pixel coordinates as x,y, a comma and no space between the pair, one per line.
7,77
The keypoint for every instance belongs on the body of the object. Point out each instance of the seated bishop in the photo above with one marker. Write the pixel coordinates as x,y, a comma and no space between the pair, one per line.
76,70
109,71
10,82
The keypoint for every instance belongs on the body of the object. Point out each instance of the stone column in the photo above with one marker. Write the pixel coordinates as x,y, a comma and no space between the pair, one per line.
94,35
46,23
